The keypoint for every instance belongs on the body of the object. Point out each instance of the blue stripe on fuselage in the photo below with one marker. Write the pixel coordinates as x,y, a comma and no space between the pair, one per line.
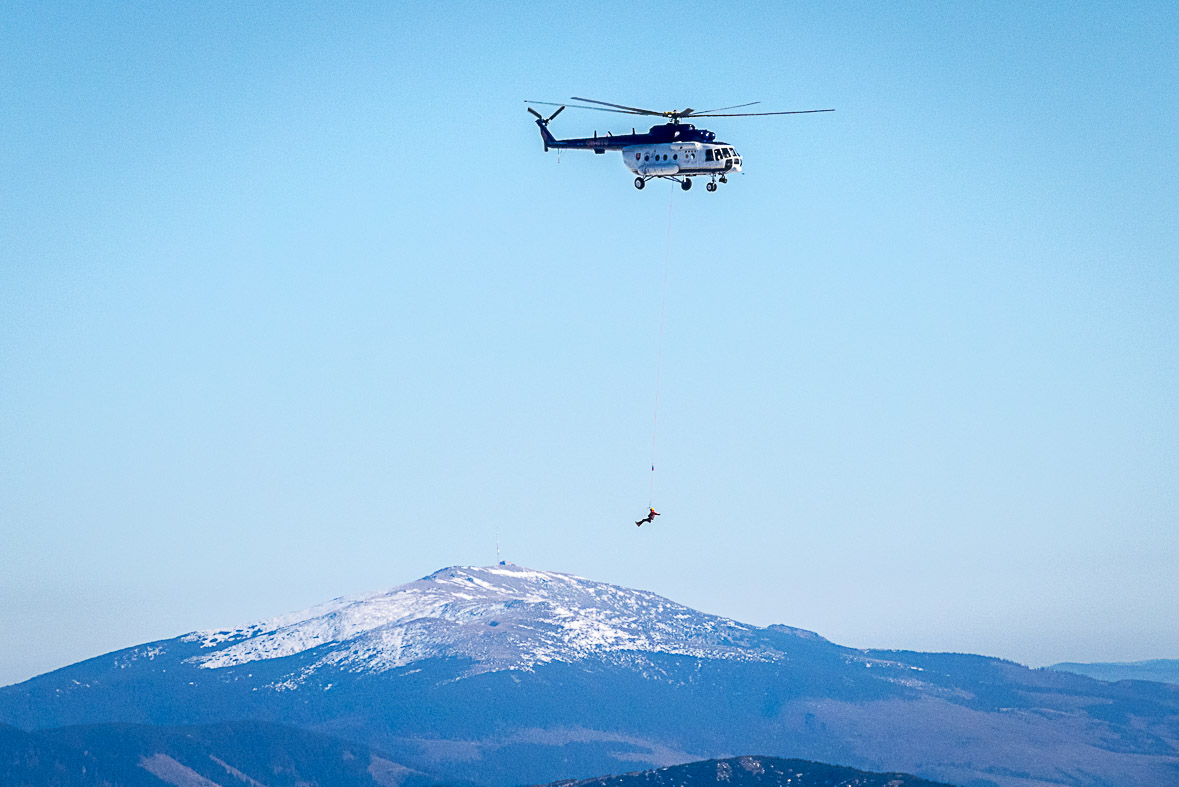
670,132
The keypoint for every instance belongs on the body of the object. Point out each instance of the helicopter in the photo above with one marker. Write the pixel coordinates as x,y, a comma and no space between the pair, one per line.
675,151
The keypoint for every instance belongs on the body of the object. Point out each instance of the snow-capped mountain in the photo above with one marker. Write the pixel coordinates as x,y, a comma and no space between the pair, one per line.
500,617
504,675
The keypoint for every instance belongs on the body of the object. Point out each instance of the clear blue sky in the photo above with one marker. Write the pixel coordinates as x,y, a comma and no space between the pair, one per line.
292,305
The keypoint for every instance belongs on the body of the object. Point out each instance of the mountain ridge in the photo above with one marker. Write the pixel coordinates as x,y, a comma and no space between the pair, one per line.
505,675
476,612
267,755
752,771
237,753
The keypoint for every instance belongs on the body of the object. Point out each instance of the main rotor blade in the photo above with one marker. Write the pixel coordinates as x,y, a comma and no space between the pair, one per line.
596,109
754,114
635,110
722,109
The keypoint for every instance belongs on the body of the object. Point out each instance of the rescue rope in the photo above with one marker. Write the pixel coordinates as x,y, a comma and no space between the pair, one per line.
659,352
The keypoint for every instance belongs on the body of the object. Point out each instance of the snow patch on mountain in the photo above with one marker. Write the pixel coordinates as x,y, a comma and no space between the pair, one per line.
499,617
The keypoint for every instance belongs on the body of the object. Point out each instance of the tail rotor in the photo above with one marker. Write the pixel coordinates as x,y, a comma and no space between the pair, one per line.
546,120
543,122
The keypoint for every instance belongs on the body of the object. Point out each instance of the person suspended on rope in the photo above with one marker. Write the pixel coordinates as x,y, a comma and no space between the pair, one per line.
650,517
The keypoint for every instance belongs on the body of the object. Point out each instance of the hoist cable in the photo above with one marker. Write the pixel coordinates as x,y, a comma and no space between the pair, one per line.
659,352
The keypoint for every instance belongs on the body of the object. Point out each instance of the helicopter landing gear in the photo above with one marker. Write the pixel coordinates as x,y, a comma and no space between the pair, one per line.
723,179
711,187
640,183
686,184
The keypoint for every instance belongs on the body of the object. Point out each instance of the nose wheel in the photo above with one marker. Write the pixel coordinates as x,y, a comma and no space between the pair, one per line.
640,183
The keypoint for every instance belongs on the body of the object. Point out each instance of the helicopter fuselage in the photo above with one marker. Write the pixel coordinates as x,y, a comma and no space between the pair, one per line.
671,150
685,159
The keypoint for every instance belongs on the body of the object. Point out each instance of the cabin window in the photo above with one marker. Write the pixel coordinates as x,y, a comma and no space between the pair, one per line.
638,156
647,157
675,156
708,154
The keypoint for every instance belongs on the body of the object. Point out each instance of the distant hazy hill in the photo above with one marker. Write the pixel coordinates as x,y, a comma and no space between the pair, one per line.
754,772
232,753
504,675
1160,670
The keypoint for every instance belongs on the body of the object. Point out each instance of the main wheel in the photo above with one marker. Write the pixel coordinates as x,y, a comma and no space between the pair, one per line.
639,183
687,184
711,187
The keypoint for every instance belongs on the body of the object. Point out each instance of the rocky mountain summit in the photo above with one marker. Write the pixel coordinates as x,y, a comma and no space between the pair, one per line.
500,617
